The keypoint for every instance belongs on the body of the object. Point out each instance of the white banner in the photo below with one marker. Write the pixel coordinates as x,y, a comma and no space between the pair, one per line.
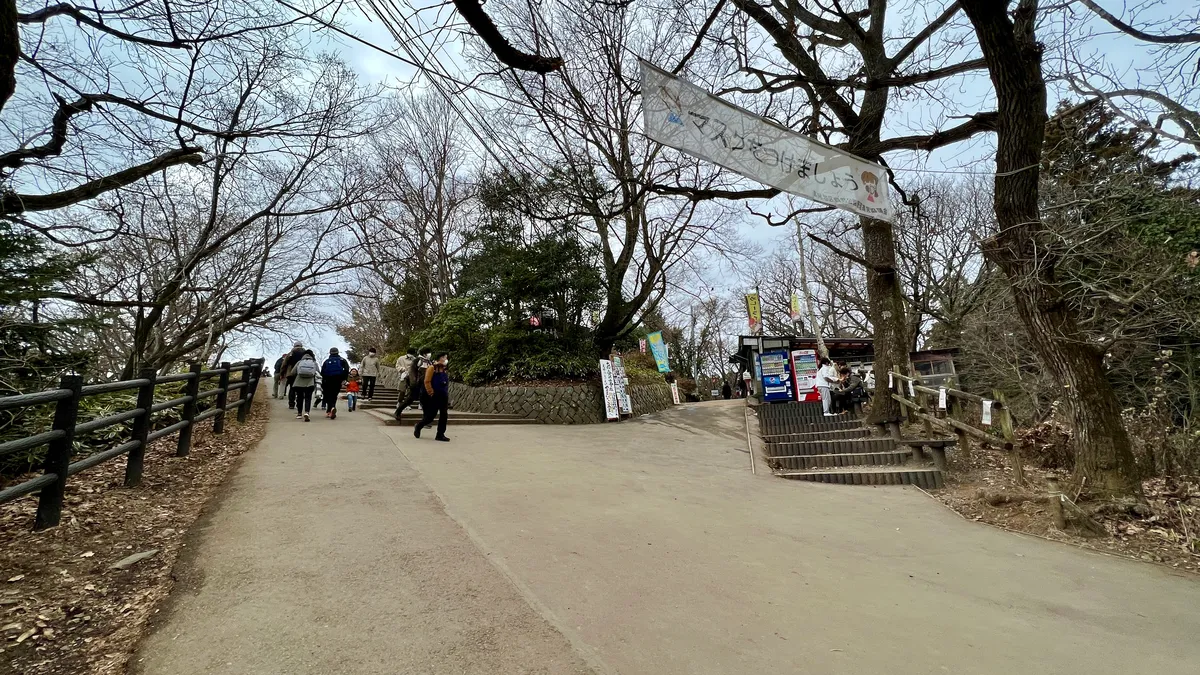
942,398
675,393
986,418
680,114
610,390
620,385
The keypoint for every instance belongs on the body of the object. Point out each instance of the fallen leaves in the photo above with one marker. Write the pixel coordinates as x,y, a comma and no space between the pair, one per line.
65,613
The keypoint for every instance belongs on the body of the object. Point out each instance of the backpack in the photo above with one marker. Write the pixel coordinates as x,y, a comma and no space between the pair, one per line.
306,368
334,366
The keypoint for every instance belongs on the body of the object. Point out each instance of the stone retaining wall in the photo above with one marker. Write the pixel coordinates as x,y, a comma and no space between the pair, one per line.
573,404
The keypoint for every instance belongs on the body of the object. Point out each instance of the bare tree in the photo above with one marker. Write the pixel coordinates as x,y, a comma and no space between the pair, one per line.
414,229
97,98
581,124
1157,89
1014,58
833,72
246,241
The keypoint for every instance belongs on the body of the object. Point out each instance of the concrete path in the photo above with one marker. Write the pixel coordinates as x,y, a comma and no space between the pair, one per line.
326,554
640,547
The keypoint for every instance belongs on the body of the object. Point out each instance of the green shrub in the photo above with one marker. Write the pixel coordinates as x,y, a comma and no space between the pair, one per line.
516,353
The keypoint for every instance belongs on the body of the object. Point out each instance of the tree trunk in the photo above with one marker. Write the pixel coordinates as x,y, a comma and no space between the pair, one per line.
1103,454
887,314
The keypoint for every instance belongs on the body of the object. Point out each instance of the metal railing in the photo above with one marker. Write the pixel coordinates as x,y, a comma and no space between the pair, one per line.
57,466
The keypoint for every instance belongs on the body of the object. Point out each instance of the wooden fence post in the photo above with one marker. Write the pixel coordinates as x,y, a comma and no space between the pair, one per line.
956,412
1006,429
244,395
923,401
222,399
189,411
58,455
141,428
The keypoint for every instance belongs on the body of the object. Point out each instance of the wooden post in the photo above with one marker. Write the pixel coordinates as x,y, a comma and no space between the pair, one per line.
923,401
222,399
189,411
58,455
1055,503
964,441
1006,429
244,394
141,427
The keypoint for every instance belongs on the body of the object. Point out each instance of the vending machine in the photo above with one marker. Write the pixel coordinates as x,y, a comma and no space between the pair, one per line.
775,373
804,369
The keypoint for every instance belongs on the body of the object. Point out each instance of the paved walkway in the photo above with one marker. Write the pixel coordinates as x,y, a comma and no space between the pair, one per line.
644,547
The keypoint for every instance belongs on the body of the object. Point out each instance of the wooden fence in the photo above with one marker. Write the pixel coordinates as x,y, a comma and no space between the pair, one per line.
963,414
57,467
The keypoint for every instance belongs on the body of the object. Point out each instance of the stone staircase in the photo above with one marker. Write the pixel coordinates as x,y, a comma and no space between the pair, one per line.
802,444
383,405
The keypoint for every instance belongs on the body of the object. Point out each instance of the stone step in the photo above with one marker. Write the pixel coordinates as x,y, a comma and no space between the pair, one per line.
928,478
453,419
860,432
831,447
802,462
790,426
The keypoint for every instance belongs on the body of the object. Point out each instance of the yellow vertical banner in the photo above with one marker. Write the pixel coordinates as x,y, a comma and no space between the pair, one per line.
795,313
754,311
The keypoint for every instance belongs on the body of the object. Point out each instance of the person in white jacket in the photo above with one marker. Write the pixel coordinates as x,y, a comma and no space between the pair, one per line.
827,379
370,371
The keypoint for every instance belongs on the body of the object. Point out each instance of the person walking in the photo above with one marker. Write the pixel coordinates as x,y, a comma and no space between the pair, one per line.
353,386
370,371
275,384
415,376
726,391
437,397
333,373
304,380
827,379
289,364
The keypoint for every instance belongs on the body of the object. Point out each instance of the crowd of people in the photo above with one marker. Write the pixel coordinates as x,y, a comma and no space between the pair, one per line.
424,381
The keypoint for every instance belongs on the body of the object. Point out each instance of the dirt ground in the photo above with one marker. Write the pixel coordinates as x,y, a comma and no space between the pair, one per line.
982,487
62,608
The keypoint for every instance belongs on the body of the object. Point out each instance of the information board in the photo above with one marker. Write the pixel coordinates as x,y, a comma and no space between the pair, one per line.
611,410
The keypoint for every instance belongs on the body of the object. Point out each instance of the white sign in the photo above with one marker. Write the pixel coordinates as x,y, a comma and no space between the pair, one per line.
680,114
891,386
624,403
942,398
986,417
912,393
675,393
610,390
714,392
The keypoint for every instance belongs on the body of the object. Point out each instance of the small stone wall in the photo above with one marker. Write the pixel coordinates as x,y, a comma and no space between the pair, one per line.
573,404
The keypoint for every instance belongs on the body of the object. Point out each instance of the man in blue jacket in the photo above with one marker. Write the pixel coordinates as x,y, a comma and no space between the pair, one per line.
334,372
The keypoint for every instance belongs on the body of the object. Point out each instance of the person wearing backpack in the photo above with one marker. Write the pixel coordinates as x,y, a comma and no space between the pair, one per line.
334,372
370,371
304,381
416,382
289,366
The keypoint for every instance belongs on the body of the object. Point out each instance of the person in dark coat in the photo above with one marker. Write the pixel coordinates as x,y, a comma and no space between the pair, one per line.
726,391
334,372
437,397
289,363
